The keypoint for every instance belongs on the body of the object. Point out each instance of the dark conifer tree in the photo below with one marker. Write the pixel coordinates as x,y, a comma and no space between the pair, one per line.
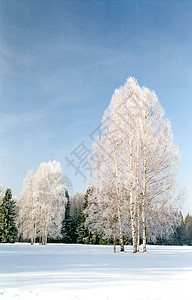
75,218
188,227
76,205
67,224
179,237
8,231
83,233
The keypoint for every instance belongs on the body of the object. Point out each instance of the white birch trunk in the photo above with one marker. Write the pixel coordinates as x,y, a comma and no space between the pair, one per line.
137,196
144,193
118,200
114,237
132,205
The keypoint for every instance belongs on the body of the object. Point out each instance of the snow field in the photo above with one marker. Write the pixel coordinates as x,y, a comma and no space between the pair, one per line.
58,271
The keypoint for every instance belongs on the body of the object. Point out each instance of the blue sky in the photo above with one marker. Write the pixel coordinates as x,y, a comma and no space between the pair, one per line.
61,62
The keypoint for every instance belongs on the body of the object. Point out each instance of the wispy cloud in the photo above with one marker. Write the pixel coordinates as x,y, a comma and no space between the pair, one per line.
22,119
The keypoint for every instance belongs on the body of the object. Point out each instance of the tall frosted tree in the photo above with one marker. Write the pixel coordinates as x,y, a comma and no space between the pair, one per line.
106,163
8,231
136,158
156,157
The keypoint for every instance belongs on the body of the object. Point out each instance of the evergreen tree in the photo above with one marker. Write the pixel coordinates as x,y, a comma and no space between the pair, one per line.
188,227
8,230
67,224
83,233
76,205
74,225
180,234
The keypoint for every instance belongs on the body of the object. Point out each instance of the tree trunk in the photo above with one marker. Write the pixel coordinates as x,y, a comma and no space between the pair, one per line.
35,231
144,235
144,222
138,234
120,230
132,206
114,240
118,201
137,196
133,222
144,195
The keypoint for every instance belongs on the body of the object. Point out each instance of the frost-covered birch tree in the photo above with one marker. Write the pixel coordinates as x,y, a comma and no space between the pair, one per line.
160,160
41,203
27,207
107,170
137,161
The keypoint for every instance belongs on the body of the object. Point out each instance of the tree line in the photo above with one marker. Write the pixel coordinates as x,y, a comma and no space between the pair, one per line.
74,228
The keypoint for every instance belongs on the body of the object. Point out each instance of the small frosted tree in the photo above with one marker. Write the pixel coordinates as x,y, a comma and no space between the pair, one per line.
27,210
102,214
51,200
41,204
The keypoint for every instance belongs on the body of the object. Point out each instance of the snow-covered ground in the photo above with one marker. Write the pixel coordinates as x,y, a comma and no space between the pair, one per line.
94,272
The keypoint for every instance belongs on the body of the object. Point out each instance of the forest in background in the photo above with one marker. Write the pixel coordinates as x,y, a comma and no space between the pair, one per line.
74,228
